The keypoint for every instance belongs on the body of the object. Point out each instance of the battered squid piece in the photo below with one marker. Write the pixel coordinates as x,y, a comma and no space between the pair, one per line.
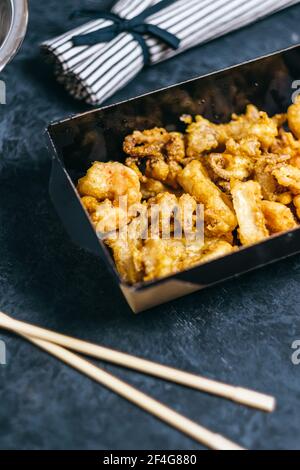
126,255
246,147
248,208
278,217
159,169
215,248
227,166
162,209
202,136
151,187
218,212
264,167
293,116
254,123
105,216
170,213
175,147
163,257
286,144
288,176
187,217
149,143
110,181
126,247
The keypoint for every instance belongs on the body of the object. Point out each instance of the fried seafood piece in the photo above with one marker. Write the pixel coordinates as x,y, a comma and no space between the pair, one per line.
110,180
174,215
105,216
254,126
247,198
175,147
127,257
215,248
254,123
151,187
202,136
126,247
286,144
296,202
155,143
228,166
246,147
218,212
133,164
148,143
263,169
278,217
288,176
293,116
162,257
159,169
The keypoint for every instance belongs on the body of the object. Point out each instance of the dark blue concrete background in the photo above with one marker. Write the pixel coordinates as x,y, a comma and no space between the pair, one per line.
239,332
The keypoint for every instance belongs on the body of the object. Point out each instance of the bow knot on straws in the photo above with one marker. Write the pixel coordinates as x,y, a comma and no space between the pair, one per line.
136,26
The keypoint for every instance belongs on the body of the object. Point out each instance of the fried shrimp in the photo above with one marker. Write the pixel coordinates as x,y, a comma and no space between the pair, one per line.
110,181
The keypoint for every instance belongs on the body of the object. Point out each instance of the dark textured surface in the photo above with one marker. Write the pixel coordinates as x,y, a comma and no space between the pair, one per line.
239,332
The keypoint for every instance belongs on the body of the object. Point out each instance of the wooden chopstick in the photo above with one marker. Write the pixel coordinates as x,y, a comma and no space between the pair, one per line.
154,407
236,394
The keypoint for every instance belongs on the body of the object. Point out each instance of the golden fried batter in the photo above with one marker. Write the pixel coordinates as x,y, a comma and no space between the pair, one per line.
110,181
147,143
105,216
278,217
253,123
202,136
288,176
218,213
247,198
228,166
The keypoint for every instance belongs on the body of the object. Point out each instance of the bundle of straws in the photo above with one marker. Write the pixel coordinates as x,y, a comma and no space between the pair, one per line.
97,58
61,347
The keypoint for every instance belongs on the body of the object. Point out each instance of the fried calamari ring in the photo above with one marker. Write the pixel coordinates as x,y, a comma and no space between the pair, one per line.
228,166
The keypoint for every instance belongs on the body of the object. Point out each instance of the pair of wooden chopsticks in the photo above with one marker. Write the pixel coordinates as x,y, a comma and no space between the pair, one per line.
56,344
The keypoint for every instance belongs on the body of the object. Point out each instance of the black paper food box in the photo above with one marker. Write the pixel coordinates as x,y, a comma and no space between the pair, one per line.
76,142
